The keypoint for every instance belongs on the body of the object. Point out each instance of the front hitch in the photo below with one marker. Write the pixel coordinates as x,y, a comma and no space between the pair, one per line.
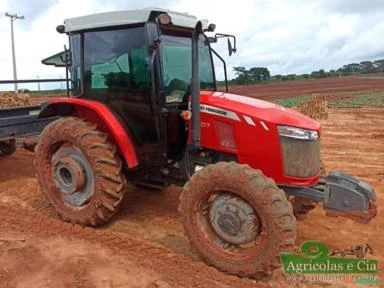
342,195
349,197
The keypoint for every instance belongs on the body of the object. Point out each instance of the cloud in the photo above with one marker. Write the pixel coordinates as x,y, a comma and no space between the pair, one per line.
32,10
350,6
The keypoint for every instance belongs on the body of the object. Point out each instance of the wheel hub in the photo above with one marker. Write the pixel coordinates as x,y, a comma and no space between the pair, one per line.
233,219
72,175
69,175
231,224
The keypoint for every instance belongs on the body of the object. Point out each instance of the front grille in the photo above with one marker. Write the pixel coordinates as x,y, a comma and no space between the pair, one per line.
301,157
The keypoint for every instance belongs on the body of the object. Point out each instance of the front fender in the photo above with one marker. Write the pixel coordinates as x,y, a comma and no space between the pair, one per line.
100,114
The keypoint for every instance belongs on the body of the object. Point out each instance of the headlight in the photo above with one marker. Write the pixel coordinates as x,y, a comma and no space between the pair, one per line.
297,133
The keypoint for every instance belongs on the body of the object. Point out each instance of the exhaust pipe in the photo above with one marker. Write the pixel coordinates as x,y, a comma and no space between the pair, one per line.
195,86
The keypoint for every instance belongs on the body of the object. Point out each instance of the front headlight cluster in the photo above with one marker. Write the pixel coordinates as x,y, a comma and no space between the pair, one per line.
297,133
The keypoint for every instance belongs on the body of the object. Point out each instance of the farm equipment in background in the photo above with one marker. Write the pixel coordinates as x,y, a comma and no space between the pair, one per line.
20,127
138,115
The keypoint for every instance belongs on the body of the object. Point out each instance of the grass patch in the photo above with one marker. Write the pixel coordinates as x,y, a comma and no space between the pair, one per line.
291,102
368,99
355,99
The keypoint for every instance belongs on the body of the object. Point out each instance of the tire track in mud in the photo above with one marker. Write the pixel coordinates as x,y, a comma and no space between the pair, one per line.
176,269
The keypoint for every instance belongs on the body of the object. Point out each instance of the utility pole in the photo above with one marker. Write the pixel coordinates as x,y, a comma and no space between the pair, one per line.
14,17
38,83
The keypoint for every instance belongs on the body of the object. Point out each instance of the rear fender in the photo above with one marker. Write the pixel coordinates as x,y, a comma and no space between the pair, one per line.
102,116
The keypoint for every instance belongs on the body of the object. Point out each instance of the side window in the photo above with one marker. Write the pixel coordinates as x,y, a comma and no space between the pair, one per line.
140,65
177,67
110,72
205,68
177,71
75,48
115,65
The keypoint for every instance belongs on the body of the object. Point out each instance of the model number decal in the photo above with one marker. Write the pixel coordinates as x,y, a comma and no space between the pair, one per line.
205,125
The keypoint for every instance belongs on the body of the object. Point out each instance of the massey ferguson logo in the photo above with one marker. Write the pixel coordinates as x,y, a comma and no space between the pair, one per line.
218,111
213,110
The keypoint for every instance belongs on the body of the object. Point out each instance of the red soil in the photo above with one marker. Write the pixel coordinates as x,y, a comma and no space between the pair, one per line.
144,246
328,86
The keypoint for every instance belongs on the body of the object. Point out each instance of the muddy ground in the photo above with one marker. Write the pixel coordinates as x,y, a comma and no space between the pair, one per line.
144,246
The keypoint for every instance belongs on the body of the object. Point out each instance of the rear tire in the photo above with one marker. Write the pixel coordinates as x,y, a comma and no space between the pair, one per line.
270,228
88,190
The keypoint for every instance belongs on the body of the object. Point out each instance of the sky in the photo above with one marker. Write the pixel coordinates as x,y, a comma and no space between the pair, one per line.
286,36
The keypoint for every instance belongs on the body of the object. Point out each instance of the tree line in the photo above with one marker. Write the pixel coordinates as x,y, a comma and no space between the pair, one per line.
262,74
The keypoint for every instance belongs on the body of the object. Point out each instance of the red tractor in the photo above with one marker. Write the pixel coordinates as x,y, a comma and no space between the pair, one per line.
137,115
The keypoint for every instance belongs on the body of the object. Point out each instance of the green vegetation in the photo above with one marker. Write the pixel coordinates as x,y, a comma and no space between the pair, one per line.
355,100
367,99
262,74
291,102
253,75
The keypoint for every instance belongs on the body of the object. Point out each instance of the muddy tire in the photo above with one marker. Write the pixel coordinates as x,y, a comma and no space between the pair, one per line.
302,206
247,248
7,147
79,172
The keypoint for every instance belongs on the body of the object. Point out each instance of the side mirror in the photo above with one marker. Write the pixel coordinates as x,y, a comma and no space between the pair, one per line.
231,49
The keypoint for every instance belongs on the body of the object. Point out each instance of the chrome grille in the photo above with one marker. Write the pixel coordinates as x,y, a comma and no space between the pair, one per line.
301,157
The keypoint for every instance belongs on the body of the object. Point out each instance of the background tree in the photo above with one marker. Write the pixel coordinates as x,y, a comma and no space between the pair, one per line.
253,75
242,74
261,74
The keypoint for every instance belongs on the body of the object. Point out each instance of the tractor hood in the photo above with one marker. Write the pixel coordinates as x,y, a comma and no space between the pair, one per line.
262,110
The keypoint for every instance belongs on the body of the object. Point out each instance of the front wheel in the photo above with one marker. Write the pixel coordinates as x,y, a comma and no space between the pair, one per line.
237,219
79,171
7,147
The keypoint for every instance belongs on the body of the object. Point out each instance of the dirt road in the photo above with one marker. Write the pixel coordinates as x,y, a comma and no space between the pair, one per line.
144,245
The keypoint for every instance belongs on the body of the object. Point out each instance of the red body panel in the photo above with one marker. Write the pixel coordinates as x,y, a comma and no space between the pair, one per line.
256,136
98,113
254,125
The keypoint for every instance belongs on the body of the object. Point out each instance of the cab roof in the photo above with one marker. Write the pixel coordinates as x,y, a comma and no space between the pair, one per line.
118,18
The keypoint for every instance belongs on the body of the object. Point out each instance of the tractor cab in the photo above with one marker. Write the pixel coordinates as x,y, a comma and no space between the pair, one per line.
139,64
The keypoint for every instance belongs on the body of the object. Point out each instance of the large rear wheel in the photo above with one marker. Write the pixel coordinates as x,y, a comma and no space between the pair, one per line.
79,171
237,219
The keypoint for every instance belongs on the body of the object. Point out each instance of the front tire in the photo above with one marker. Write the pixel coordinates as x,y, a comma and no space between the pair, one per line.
79,171
7,147
237,219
